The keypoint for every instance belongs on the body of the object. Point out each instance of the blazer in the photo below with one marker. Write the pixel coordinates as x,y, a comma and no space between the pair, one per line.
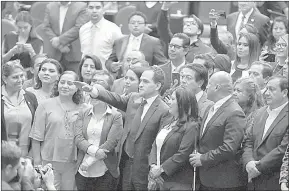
75,17
150,46
175,151
204,104
284,176
146,133
260,21
269,150
111,132
163,28
219,144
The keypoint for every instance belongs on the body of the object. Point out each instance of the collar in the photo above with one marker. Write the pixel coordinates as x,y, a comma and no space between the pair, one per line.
150,4
98,24
177,69
139,38
64,5
276,110
196,43
219,103
248,14
5,94
151,100
107,111
199,95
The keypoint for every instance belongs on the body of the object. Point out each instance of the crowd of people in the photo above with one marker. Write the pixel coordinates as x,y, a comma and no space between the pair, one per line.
152,110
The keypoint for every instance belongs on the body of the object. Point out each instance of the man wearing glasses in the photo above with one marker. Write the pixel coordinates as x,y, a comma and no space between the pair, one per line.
192,26
137,40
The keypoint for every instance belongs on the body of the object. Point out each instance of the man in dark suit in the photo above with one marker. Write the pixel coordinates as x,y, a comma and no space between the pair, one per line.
145,112
150,46
266,142
193,27
61,24
195,77
221,135
248,13
178,48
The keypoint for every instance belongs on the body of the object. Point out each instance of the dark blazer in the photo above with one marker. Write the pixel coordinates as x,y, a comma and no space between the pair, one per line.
147,131
167,68
111,133
150,46
219,144
163,27
75,17
269,150
260,21
175,151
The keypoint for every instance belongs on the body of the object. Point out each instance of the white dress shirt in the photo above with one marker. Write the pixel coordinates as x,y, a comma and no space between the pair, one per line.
239,21
214,109
177,69
148,105
199,95
97,167
133,43
62,13
272,116
101,42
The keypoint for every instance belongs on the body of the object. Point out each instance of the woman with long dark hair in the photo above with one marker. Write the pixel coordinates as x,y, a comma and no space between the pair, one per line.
48,75
169,158
52,131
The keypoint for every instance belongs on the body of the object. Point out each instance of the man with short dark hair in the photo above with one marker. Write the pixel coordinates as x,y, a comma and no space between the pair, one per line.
137,40
195,77
145,112
193,27
266,142
206,60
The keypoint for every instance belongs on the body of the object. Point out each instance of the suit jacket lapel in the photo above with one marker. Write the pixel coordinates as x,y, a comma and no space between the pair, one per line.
147,116
251,19
203,121
57,11
143,43
105,128
235,19
170,134
123,47
67,15
260,128
281,115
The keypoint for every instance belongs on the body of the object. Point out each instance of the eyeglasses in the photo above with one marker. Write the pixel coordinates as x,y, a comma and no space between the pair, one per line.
186,77
280,45
175,46
136,22
189,22
132,60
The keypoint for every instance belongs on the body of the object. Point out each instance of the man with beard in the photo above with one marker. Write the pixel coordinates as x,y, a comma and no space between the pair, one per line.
192,26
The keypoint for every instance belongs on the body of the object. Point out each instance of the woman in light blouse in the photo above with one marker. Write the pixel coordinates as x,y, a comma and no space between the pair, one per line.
52,132
18,106
169,157
48,75
97,132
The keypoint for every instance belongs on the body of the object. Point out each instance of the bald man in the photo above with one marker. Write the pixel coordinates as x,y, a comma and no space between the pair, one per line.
220,138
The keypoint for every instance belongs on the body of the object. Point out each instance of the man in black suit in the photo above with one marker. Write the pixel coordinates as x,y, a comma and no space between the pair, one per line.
178,48
248,13
145,112
221,134
193,27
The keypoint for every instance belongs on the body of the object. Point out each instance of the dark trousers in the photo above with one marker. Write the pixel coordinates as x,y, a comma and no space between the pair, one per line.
127,181
69,65
105,182
204,188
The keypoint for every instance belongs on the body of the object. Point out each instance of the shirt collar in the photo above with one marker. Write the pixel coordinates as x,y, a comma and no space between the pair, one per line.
139,38
247,15
199,95
276,110
4,92
219,103
196,43
98,24
107,111
151,100
177,69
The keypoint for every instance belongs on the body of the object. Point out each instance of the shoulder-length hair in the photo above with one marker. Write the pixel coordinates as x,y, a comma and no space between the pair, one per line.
253,91
187,106
254,48
59,69
271,39
77,96
95,60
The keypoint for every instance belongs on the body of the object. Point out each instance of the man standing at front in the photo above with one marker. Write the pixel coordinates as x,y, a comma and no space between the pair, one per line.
98,35
221,135
145,112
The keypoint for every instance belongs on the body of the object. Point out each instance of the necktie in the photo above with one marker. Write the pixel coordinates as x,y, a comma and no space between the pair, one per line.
210,115
242,23
129,145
